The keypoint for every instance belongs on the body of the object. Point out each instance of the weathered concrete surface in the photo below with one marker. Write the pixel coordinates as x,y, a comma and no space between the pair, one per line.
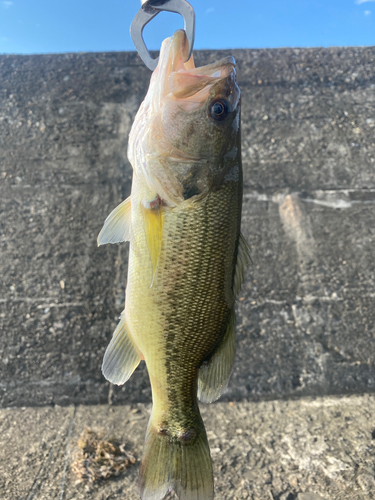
306,313
281,450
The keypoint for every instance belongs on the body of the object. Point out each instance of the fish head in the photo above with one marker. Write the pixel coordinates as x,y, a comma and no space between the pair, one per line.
186,136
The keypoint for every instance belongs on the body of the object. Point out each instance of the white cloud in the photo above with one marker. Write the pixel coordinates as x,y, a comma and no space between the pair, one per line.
211,9
367,12
358,2
7,3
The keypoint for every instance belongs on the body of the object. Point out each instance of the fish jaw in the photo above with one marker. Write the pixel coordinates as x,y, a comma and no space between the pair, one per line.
175,146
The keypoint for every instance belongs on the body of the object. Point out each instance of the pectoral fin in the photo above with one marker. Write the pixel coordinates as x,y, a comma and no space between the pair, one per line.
122,356
243,261
153,223
117,225
213,377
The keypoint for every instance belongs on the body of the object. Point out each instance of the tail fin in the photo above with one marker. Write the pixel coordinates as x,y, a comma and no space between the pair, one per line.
183,465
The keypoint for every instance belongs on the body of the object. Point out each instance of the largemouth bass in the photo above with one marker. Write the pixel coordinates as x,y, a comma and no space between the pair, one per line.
186,263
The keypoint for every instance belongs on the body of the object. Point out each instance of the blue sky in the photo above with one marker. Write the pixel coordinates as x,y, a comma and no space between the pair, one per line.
50,26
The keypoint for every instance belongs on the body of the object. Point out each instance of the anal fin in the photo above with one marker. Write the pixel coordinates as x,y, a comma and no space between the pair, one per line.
117,225
213,377
122,356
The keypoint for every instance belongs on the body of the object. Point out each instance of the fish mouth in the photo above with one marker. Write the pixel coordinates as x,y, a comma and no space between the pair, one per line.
182,80
176,144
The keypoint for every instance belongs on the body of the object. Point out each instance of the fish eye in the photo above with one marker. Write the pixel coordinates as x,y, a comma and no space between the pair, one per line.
219,109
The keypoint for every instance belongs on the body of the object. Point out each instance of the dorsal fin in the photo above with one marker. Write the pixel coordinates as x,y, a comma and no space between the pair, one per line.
117,225
213,377
243,261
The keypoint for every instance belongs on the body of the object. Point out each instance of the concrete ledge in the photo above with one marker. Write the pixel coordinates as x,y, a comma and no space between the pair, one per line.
306,313
310,449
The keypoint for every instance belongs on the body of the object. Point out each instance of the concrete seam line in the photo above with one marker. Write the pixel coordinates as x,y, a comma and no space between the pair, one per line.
67,452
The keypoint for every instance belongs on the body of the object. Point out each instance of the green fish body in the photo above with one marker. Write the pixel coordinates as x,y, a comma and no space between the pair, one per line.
186,263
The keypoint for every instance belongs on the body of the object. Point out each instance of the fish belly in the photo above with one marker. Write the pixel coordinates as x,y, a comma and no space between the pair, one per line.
179,316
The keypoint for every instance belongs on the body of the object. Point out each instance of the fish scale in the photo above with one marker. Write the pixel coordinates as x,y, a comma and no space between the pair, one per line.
189,296
186,262
188,292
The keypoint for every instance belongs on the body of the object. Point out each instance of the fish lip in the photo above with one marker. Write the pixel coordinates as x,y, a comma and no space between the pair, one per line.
176,51
211,68
172,64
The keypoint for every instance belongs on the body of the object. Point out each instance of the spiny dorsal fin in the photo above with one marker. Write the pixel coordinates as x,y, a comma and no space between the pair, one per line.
117,225
243,261
153,217
213,377
122,356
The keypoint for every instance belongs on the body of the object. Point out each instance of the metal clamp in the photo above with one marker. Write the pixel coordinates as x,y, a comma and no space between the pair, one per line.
150,9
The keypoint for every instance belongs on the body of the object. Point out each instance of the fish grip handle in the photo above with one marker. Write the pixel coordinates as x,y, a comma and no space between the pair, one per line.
150,9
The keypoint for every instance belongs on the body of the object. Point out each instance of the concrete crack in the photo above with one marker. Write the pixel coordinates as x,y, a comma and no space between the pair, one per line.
67,452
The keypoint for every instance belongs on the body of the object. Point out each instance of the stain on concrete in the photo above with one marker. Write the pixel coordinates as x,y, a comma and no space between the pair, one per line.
297,226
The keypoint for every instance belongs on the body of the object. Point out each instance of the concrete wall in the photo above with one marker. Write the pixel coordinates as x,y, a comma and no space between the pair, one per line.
306,312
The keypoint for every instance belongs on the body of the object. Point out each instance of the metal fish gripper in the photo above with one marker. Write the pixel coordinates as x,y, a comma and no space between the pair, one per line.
150,9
